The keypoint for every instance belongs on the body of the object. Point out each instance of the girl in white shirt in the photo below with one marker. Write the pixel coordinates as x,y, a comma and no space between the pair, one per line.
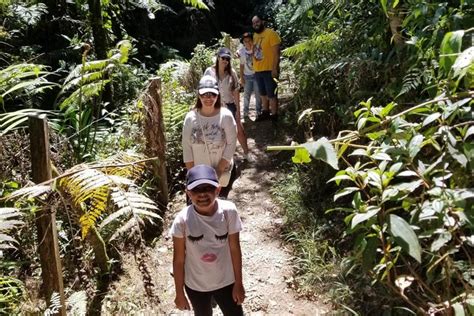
210,134
207,259
228,82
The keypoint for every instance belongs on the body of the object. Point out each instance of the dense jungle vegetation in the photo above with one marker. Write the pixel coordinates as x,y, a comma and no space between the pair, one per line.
378,202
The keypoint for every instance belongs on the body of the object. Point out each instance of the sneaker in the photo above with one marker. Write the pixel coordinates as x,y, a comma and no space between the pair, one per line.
247,118
264,116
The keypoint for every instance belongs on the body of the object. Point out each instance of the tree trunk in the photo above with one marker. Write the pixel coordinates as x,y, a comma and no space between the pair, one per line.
98,31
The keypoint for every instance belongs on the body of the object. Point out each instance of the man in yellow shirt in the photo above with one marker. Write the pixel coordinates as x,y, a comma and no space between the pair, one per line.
266,65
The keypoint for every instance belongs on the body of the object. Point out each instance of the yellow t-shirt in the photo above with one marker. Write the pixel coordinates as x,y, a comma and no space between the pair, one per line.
263,55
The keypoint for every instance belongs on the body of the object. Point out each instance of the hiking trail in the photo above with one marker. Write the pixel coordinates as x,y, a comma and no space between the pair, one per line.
266,259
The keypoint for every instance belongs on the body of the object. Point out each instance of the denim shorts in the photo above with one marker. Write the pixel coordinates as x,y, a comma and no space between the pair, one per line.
267,86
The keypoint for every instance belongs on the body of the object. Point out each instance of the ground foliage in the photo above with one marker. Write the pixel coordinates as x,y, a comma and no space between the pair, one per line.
394,82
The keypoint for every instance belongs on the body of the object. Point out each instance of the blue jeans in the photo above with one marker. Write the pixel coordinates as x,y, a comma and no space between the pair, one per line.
249,87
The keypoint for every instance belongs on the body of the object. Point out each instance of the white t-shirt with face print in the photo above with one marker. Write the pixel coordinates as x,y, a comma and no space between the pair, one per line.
208,264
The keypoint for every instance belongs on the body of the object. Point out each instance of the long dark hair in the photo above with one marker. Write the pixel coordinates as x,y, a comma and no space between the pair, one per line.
228,70
216,105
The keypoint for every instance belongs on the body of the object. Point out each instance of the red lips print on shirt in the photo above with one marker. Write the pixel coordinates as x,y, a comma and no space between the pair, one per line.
209,257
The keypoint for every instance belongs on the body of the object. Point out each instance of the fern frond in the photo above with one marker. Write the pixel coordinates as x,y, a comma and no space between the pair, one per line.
336,66
133,171
92,188
77,304
298,48
131,225
82,80
197,4
304,7
411,81
173,115
8,221
30,192
54,306
95,65
87,91
88,187
130,203
17,119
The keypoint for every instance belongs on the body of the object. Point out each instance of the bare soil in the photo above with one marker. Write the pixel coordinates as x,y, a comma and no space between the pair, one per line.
267,260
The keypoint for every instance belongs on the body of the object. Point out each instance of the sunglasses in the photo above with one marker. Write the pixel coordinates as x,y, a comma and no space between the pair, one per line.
225,58
204,189
208,95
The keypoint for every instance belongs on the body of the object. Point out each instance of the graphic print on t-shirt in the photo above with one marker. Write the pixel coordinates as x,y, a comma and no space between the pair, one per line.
249,60
258,51
214,136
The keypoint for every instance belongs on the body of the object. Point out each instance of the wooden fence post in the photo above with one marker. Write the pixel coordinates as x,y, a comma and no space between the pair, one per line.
48,246
155,134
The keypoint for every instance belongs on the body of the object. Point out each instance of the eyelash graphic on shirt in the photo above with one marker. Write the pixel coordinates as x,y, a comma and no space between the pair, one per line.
222,237
195,239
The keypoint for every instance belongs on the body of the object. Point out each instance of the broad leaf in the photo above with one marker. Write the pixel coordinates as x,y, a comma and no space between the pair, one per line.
450,46
415,145
381,156
322,149
463,62
345,191
441,240
431,118
301,156
362,217
405,236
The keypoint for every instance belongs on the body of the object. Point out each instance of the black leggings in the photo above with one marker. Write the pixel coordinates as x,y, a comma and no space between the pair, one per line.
202,305
233,176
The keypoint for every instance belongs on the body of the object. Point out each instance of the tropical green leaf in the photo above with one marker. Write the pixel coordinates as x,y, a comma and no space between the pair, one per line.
323,150
345,191
463,63
405,236
415,145
450,47
301,156
431,118
340,175
362,217
381,156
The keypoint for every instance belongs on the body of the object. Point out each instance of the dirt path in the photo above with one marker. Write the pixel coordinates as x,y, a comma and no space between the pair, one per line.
266,260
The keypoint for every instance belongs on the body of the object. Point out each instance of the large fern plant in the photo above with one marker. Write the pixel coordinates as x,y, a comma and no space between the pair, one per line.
80,98
11,289
100,194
